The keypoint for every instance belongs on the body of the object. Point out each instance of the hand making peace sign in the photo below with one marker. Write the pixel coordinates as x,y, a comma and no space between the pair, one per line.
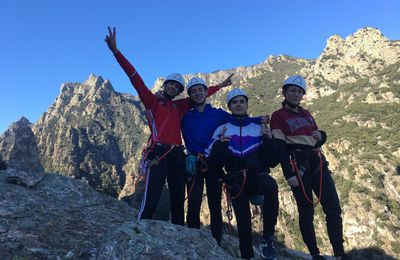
223,137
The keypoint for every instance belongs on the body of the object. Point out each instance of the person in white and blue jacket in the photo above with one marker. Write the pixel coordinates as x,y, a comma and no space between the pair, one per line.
244,148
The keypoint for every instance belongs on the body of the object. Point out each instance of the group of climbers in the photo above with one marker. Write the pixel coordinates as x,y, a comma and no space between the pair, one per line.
233,152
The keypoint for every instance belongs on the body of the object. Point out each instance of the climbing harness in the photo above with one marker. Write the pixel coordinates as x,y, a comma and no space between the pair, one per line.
300,173
145,164
194,163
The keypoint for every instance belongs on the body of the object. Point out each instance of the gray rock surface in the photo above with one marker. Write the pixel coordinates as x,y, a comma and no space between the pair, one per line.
64,218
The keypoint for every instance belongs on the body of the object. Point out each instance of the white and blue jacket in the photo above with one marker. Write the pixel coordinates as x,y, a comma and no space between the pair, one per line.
247,149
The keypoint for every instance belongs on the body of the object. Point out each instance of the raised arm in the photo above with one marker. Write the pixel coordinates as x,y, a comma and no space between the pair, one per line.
144,93
213,89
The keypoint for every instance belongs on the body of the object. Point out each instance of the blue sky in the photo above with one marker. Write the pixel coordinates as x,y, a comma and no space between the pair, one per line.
46,42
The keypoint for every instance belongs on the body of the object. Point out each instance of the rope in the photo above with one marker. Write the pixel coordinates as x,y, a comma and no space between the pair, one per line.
293,162
244,181
229,214
191,187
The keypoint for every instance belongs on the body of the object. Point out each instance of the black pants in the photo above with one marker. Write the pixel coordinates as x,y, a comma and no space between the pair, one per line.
172,168
214,190
256,184
330,205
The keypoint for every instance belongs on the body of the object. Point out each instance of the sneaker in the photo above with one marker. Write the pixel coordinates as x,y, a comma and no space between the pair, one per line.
318,257
267,249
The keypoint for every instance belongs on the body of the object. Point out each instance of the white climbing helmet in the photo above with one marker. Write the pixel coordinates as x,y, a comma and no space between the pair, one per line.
177,78
234,93
296,80
196,81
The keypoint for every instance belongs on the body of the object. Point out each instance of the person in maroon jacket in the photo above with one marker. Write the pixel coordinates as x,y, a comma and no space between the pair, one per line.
165,158
298,142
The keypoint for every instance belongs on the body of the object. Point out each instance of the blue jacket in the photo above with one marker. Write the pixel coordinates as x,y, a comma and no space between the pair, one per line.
198,127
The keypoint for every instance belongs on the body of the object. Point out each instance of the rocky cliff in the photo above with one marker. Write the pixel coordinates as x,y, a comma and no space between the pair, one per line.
92,132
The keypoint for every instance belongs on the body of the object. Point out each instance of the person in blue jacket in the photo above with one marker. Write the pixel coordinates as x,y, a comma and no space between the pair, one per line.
198,126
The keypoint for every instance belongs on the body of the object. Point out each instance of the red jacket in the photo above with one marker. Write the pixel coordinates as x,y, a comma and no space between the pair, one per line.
167,115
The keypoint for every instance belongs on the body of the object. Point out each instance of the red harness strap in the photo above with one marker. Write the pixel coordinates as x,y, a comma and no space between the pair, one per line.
295,168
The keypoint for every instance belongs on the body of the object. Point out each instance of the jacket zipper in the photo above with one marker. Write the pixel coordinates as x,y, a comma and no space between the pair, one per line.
240,127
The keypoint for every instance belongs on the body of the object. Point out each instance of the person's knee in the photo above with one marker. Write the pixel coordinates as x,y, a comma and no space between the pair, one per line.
194,203
333,213
274,187
306,213
267,184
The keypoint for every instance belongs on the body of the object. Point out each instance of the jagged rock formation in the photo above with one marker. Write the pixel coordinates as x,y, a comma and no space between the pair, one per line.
361,55
357,56
13,137
92,132
24,166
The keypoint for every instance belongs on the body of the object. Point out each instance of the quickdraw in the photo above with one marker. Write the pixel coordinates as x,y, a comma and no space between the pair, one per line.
229,214
146,164
229,199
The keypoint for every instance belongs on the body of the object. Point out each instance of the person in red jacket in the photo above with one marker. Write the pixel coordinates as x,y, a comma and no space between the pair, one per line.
305,168
165,158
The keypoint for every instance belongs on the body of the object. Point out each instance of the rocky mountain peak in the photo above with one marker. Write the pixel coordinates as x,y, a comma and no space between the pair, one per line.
7,139
361,54
24,165
364,40
335,42
18,146
94,89
21,123
369,34
89,133
94,80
